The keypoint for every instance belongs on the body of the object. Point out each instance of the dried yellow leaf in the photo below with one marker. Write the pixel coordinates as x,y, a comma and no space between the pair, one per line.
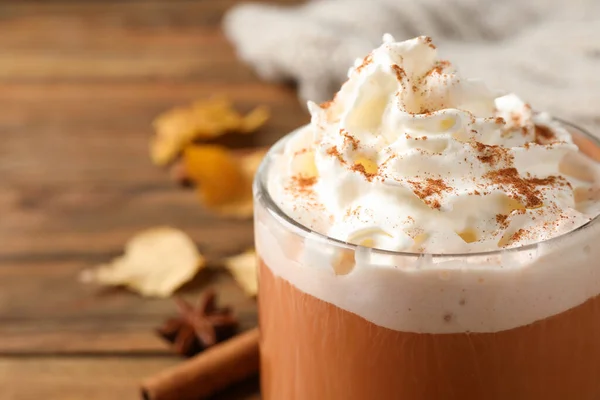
156,262
255,119
223,177
243,269
217,173
207,119
243,207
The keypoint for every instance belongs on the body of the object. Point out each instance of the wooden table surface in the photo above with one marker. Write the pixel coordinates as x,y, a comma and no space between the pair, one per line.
80,82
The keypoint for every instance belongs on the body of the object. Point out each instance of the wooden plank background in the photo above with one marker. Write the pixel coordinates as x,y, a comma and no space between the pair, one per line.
80,82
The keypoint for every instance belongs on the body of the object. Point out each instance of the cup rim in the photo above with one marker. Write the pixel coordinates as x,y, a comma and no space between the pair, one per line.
262,195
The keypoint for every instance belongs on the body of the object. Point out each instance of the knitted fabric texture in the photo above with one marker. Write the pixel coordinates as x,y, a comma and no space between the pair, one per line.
546,51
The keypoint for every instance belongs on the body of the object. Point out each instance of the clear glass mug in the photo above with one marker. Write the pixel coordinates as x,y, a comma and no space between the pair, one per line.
346,322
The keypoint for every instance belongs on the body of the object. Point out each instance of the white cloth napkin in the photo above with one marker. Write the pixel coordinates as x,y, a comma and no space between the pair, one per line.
546,51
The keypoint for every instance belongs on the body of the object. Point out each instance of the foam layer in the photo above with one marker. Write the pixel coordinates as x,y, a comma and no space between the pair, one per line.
431,295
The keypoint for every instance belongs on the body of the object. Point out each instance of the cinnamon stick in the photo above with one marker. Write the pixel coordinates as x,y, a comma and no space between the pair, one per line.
203,375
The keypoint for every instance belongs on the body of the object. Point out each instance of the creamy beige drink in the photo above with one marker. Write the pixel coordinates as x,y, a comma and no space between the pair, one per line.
427,238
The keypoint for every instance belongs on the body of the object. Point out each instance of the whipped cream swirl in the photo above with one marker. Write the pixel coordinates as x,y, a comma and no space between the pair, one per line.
409,156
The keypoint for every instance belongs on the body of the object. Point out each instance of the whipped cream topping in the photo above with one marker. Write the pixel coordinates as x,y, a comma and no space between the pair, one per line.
409,156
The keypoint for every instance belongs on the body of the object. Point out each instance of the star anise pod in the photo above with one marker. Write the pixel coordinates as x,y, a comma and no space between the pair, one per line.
197,328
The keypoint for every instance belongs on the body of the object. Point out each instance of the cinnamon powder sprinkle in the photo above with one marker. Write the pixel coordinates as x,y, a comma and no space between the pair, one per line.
429,42
333,151
361,168
349,140
525,188
353,211
543,134
366,61
551,180
428,189
492,154
438,68
510,177
518,235
326,104
400,73
304,184
502,220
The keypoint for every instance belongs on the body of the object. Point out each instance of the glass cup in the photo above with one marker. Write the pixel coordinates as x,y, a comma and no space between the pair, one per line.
346,322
